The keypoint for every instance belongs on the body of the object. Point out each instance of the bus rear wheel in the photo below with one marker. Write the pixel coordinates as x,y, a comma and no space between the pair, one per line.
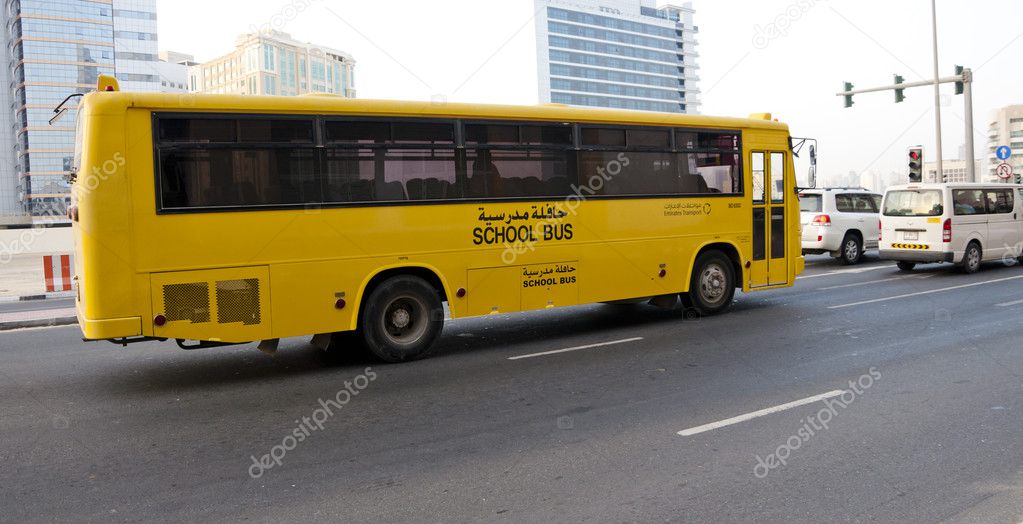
402,318
713,284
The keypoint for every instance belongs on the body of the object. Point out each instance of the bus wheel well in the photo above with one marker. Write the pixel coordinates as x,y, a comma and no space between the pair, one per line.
429,276
732,254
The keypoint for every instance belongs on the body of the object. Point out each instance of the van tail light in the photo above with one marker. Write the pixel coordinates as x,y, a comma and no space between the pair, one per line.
822,220
880,231
946,231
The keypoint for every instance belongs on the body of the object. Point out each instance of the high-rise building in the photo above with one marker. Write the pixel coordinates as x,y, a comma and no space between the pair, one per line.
272,63
1005,129
55,48
626,54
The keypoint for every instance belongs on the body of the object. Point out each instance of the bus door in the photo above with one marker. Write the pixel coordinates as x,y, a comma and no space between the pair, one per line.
769,265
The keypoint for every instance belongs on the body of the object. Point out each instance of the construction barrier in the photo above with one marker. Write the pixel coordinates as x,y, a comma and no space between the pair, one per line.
57,269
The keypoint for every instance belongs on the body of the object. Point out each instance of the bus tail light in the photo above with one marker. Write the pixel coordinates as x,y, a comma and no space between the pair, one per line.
822,220
946,231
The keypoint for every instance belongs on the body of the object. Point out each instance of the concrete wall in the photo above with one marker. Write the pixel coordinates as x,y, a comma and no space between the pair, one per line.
43,241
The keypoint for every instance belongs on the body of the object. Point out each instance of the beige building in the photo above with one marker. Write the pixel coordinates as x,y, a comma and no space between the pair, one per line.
955,171
1005,129
272,63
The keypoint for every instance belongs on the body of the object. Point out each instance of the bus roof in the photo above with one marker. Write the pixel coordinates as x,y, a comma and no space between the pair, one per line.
107,102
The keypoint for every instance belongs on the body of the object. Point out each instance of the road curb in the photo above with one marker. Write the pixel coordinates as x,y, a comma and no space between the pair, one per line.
46,296
39,322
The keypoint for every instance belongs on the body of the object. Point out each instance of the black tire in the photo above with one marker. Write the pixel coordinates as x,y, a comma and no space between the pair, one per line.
401,319
906,266
971,259
712,286
851,252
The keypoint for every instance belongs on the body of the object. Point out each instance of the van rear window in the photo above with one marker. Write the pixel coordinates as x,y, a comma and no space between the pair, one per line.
913,203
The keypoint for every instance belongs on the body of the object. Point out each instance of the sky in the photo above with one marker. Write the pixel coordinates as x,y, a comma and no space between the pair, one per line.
786,57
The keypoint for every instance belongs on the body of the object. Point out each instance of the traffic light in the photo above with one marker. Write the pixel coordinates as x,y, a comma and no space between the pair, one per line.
916,164
848,98
960,88
900,93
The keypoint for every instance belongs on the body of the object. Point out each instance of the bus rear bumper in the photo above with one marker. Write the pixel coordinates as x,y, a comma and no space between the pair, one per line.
109,328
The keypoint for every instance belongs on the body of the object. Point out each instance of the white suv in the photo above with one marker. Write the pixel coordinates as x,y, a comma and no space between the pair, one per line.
840,221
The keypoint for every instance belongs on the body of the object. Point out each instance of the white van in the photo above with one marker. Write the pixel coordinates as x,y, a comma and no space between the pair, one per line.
965,224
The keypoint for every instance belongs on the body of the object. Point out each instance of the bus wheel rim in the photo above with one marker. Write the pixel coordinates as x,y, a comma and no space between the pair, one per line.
404,320
712,284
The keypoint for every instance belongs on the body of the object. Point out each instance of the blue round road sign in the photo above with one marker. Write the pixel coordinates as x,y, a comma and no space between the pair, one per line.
1004,153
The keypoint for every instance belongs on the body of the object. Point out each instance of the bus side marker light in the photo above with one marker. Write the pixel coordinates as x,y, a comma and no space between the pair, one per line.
460,293
749,264
159,320
663,273
340,303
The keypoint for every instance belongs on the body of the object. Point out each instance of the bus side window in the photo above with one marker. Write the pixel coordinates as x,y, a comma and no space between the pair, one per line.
758,170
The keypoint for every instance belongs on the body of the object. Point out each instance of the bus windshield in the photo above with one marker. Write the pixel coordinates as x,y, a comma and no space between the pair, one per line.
913,203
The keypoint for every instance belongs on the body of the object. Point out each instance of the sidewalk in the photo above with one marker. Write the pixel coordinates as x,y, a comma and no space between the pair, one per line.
42,318
22,276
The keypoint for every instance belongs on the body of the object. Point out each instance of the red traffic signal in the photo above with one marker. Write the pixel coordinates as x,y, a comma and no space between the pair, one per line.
916,159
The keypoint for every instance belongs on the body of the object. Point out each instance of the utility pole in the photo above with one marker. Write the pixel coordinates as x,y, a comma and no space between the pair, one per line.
937,93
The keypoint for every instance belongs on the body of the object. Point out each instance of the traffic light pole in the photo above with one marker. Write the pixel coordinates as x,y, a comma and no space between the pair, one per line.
965,79
971,154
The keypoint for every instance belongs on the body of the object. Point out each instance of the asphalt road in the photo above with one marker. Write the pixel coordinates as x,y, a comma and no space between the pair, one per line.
929,431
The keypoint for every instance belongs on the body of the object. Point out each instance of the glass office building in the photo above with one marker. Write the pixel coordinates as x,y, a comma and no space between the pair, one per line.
625,54
56,48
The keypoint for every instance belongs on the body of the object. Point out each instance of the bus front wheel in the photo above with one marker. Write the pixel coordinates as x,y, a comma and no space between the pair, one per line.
713,284
402,318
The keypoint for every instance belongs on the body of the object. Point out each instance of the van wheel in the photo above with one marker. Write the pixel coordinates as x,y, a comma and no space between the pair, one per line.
971,259
402,318
712,286
852,249
906,266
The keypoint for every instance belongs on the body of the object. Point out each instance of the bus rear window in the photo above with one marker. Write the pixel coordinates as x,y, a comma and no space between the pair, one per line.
913,203
811,203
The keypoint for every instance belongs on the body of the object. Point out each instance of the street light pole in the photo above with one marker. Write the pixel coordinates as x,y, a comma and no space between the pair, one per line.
937,91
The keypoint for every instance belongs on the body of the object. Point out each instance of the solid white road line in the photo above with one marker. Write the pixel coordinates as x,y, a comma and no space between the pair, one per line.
921,293
843,272
1007,304
858,284
566,350
756,414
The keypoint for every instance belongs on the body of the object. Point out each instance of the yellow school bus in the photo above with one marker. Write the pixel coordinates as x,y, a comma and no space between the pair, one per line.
221,219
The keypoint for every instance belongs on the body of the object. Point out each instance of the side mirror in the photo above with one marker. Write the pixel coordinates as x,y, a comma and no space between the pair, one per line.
812,177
